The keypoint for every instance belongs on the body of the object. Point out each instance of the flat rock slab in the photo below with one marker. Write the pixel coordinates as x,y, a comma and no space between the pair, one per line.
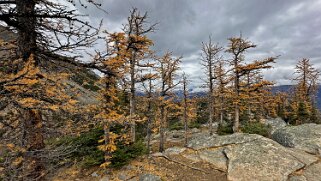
174,150
193,156
306,137
207,141
149,177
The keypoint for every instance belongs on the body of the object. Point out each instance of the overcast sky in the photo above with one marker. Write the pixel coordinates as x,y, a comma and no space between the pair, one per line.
289,28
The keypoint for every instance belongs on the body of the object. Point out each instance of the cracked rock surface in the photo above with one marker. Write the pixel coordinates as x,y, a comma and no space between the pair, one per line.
253,157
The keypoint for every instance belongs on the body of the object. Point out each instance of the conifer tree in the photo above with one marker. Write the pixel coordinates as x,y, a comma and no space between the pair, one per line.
109,111
149,89
306,90
138,48
238,47
307,79
167,68
47,31
222,81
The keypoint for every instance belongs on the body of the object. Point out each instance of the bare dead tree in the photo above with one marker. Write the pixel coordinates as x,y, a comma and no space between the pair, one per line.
185,105
209,59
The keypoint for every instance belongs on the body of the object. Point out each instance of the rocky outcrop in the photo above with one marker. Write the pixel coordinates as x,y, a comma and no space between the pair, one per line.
274,123
260,160
294,157
251,157
306,137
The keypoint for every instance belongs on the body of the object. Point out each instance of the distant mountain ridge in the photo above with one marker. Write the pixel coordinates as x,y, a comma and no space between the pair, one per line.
287,88
275,89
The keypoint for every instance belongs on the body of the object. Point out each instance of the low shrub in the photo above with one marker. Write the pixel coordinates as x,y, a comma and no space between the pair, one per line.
91,87
195,124
224,129
256,128
84,147
176,126
86,153
125,153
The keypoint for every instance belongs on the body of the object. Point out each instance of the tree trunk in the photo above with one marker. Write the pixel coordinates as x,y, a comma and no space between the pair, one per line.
132,119
162,129
132,101
237,107
211,102
185,111
221,111
149,133
236,119
33,141
106,140
27,35
149,121
210,120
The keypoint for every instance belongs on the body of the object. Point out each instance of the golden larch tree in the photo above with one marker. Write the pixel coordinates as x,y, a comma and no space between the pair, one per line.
237,48
166,68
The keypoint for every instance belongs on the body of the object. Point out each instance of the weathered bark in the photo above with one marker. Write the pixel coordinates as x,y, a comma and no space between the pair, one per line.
149,116
26,41
106,141
236,124
162,128
132,99
185,108
221,110
211,98
211,112
236,119
33,142
149,133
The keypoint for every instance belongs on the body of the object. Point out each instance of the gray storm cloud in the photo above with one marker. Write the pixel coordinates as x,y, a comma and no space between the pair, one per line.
289,28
